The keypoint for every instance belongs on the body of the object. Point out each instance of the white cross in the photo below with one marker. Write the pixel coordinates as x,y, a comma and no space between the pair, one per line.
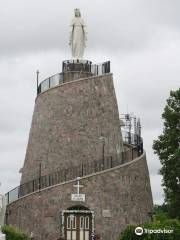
78,186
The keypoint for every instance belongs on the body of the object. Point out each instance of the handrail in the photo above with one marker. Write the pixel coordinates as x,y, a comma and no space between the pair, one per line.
53,81
71,173
69,66
133,139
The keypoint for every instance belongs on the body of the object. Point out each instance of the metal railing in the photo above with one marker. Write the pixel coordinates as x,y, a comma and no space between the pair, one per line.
50,82
86,66
133,139
71,173
73,65
76,65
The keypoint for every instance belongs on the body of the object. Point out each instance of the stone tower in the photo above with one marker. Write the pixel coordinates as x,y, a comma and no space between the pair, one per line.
71,120
81,178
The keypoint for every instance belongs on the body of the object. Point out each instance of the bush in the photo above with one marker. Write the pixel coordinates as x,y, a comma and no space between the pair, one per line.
14,233
161,222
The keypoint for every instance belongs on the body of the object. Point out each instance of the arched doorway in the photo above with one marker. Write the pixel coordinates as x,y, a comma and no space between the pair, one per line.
78,223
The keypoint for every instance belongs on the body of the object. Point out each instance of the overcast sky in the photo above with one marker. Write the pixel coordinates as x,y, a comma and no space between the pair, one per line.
140,38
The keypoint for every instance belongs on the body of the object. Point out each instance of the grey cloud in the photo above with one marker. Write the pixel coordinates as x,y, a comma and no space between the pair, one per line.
126,25
10,163
157,189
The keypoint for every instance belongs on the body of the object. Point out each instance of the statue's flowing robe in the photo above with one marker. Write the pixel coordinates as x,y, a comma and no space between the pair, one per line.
77,37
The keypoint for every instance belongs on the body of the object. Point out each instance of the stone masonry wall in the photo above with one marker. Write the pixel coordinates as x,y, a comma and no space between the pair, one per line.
68,123
124,190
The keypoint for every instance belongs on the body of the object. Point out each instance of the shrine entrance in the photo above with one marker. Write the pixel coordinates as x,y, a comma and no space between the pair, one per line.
78,224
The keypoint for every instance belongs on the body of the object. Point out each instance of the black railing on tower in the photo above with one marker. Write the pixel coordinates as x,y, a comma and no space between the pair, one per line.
77,65
86,66
70,66
83,169
50,82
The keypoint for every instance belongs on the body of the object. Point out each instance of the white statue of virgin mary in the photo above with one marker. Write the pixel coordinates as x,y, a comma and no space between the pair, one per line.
78,35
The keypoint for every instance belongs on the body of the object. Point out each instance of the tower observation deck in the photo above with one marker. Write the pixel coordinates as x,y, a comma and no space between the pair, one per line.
71,70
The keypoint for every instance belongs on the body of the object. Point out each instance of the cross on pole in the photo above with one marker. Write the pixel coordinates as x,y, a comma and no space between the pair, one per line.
78,186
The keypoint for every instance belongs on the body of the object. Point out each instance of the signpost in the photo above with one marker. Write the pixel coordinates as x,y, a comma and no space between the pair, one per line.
106,213
77,196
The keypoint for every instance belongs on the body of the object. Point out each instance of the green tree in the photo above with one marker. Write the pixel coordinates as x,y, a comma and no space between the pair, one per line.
14,233
167,147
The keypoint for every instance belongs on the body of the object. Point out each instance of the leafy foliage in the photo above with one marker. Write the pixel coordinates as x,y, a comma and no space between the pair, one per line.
161,212
167,147
13,233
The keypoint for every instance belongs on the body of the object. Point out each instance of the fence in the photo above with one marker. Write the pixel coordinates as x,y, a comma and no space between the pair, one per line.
73,65
76,65
50,82
133,139
71,173
87,66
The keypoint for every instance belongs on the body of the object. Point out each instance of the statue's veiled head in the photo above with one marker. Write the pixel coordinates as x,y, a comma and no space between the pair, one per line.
77,12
